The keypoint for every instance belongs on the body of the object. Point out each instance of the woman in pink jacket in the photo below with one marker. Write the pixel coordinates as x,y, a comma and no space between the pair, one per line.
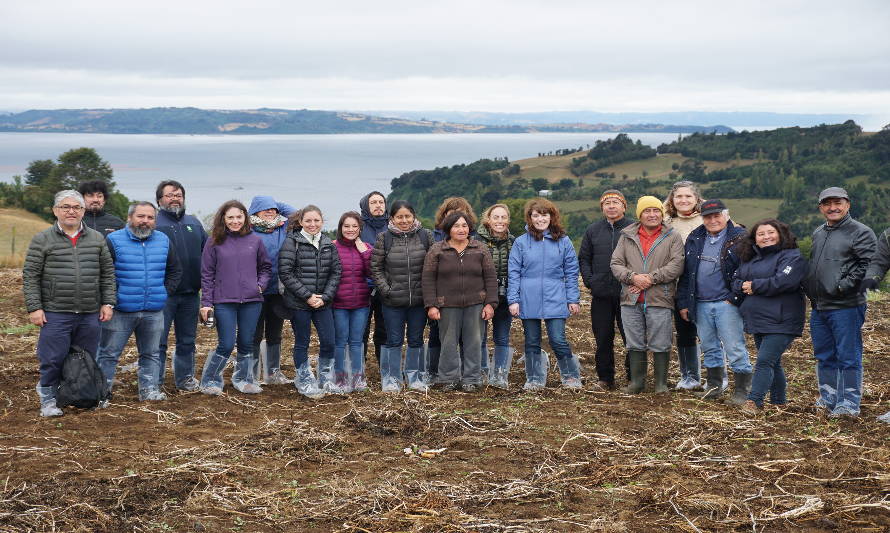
351,305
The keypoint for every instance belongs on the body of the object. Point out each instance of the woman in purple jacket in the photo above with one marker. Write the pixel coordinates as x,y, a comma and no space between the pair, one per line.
351,304
235,270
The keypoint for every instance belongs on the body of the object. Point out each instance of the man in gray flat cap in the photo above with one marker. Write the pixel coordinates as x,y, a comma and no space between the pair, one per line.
842,251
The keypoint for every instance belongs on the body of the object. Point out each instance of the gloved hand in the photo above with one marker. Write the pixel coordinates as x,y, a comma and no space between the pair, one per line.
868,284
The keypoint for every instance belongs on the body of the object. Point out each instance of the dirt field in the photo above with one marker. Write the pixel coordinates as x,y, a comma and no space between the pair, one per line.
514,461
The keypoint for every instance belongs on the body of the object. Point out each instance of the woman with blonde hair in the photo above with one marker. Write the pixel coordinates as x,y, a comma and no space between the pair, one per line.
683,213
543,286
494,233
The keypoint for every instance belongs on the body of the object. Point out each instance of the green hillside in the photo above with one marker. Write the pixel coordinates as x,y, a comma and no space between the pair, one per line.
759,174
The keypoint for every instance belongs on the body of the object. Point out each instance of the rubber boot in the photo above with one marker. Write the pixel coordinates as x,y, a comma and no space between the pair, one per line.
500,370
48,405
740,388
415,369
638,368
391,368
714,387
570,372
660,367
306,383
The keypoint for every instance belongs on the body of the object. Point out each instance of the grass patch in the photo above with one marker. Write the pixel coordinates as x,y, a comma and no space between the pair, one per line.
747,211
17,330
17,227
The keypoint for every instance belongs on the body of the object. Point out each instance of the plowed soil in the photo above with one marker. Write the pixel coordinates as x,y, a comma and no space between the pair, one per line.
513,461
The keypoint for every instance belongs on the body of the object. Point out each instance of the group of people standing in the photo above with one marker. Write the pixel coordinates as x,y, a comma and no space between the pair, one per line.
93,280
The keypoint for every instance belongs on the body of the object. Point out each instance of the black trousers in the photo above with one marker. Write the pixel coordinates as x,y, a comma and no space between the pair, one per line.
379,326
604,314
685,329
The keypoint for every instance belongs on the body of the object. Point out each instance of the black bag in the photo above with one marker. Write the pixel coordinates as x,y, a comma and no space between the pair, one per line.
83,384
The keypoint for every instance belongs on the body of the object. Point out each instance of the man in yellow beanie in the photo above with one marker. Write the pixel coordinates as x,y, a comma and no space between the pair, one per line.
647,261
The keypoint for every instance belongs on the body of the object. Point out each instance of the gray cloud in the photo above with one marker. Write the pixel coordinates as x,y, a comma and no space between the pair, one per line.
270,52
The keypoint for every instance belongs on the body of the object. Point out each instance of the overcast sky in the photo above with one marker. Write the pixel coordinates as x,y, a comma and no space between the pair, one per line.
517,55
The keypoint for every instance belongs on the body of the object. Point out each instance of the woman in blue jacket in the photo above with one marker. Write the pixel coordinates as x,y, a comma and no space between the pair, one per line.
769,279
543,285
268,219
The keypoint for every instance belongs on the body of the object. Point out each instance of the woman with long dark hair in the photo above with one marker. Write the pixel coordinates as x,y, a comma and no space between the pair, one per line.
309,269
235,269
351,304
773,309
397,266
543,286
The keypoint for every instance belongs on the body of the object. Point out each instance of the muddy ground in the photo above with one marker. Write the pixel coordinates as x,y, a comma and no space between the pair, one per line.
514,461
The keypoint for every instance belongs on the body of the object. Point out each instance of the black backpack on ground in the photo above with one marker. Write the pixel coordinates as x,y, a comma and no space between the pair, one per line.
83,384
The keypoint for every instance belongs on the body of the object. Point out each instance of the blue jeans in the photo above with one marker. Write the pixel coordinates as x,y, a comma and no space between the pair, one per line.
181,311
301,322
61,331
556,335
234,322
349,329
721,330
837,346
768,372
147,325
404,321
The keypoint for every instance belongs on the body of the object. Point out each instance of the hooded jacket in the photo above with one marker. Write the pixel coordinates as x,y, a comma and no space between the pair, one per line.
272,238
371,226
595,254
305,270
838,262
188,238
664,264
777,305
543,276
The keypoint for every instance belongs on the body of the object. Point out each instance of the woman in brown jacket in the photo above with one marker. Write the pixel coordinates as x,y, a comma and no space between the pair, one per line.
460,290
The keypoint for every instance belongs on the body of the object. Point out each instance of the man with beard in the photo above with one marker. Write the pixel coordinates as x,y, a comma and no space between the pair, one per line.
146,271
95,194
187,238
373,206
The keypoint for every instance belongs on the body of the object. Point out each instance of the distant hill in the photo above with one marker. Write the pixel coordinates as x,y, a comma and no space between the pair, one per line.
190,120
766,173
630,120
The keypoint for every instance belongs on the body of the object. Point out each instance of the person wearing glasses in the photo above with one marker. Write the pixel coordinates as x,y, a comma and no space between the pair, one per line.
705,298
69,286
187,237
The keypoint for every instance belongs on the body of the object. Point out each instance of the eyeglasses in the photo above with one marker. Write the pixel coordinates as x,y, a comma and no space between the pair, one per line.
72,208
174,196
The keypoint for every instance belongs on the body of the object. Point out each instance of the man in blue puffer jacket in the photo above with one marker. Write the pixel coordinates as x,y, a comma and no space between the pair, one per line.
147,271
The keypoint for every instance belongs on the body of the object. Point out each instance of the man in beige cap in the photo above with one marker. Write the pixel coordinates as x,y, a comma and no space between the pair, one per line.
647,262
594,256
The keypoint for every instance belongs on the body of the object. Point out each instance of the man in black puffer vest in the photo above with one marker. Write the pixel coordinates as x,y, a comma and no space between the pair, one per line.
605,291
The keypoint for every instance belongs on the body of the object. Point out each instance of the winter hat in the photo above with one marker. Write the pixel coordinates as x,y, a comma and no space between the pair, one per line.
646,202
613,193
